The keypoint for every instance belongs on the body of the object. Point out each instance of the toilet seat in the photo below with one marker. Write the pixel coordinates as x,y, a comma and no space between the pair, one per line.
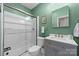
34,48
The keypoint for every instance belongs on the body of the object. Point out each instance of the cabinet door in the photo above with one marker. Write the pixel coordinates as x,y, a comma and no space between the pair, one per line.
53,48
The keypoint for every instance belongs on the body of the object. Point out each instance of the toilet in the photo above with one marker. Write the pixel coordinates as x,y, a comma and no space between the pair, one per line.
36,49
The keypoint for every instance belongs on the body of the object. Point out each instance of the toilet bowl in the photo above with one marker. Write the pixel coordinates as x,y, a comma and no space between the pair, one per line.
34,50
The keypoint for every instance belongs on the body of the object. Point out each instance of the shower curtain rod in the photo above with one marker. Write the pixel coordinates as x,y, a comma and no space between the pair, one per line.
20,11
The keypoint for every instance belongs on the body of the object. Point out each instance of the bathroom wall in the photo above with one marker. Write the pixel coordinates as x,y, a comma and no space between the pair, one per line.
46,10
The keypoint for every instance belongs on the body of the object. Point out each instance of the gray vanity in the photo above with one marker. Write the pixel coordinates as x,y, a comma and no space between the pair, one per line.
60,46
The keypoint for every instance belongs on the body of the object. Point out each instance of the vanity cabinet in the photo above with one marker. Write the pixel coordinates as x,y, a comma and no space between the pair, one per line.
53,48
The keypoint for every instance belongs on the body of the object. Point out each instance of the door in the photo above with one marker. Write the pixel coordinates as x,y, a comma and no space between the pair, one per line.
30,32
19,33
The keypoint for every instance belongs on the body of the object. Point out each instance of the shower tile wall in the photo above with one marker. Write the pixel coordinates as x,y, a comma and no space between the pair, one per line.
14,34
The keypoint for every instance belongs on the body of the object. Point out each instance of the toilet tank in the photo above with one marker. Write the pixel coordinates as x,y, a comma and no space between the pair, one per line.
40,41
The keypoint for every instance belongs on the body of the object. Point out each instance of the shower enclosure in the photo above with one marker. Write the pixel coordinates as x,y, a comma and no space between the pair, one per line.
19,31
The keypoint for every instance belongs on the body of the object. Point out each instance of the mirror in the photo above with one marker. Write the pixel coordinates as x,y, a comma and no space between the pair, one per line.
60,17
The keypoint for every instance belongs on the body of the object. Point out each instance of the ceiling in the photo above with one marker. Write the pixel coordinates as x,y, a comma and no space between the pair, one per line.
30,5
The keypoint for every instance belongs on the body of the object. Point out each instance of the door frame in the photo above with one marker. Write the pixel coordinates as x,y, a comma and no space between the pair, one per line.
2,30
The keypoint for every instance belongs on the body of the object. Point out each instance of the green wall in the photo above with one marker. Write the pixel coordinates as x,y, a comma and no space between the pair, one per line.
46,10
64,11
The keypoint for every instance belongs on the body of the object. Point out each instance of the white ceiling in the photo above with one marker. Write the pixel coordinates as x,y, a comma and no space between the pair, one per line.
30,5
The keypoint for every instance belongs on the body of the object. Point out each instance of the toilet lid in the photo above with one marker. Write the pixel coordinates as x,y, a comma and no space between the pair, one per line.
34,48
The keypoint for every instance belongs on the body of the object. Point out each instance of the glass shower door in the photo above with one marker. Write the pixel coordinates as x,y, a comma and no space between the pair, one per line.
14,34
31,32
19,33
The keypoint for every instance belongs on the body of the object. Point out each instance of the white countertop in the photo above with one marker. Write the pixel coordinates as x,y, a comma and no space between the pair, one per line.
68,41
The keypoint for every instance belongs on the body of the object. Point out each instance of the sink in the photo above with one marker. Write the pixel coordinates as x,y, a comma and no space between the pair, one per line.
58,38
66,39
